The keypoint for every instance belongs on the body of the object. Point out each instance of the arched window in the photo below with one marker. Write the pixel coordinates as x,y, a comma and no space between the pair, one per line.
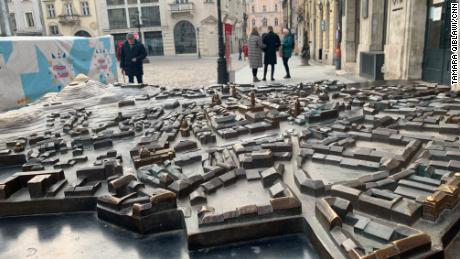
276,21
184,37
82,33
264,22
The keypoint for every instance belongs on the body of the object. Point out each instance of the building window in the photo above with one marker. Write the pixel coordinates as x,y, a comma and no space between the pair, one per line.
264,22
276,21
151,16
276,8
253,22
264,8
117,18
185,38
68,9
134,16
253,9
51,11
154,43
54,29
85,8
30,20
13,21
115,2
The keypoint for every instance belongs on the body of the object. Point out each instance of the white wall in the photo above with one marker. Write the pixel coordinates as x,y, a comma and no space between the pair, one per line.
20,8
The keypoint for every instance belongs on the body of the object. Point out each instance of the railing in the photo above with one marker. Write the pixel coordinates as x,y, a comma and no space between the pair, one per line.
69,18
182,8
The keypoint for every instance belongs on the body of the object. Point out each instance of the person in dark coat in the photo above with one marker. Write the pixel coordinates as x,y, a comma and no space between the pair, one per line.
131,59
272,43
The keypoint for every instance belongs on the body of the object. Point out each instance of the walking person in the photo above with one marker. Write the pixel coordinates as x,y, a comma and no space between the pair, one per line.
255,46
240,51
286,50
272,44
131,59
245,51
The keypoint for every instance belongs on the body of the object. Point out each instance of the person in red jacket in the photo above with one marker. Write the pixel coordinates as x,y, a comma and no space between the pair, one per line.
245,51
119,45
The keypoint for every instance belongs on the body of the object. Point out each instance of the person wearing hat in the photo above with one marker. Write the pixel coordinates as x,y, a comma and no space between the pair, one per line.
131,58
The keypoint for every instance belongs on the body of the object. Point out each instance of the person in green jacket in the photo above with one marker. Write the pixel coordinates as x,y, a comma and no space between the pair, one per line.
286,50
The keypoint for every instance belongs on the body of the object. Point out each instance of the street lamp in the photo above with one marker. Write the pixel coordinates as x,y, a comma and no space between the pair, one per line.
245,26
198,39
137,22
222,74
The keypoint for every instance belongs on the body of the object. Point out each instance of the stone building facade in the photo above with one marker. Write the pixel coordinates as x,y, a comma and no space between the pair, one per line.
264,13
398,39
290,18
172,27
5,27
70,17
25,17
317,26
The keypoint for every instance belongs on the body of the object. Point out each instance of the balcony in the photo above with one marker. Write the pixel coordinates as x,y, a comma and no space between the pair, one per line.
69,19
182,8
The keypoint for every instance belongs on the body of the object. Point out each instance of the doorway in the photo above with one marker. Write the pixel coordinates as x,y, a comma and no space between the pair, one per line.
82,33
436,59
184,38
154,43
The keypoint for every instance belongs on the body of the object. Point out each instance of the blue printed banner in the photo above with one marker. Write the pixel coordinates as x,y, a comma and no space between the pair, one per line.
33,66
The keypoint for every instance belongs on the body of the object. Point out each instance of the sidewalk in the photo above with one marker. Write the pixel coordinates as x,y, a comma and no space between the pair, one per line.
299,73
184,71
190,72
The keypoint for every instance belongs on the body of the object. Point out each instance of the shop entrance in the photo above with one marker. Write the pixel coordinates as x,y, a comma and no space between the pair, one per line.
436,59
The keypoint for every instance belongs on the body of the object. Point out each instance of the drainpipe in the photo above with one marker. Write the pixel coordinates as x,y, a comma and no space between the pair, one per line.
5,25
42,17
